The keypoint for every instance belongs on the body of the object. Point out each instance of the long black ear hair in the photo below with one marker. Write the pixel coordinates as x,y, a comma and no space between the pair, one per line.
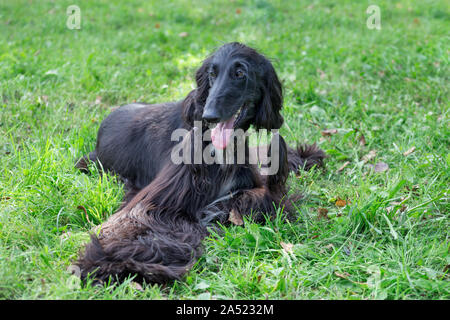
195,101
268,109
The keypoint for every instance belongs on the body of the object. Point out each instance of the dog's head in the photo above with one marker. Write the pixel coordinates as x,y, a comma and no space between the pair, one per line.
236,87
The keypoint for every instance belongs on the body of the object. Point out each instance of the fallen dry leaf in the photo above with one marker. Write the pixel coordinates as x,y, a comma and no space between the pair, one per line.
238,11
409,151
344,275
362,140
85,212
371,155
183,34
157,26
343,166
381,167
322,74
328,132
322,213
66,235
341,203
287,247
136,286
414,189
235,218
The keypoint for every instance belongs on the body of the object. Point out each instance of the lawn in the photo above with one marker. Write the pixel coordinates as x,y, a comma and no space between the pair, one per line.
373,225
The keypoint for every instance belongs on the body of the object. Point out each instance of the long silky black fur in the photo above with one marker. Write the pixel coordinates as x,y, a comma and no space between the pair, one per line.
157,233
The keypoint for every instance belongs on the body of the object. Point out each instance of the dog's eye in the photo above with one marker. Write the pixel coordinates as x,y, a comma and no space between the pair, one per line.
240,74
212,74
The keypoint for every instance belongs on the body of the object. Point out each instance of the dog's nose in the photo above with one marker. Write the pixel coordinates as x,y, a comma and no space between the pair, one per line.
210,117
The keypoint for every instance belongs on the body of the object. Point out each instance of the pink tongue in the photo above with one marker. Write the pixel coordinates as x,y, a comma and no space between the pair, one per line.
221,133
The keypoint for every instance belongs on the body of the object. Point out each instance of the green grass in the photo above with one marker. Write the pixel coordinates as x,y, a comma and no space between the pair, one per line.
390,241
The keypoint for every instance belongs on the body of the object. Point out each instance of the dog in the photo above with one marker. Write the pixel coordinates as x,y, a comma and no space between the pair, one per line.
156,234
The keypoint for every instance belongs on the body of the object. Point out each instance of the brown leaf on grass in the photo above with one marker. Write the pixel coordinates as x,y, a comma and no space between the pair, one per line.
362,140
287,247
183,34
238,11
381,167
371,155
157,26
343,166
66,235
5,198
409,151
136,286
322,213
346,276
322,74
328,132
314,123
315,236
235,218
414,189
341,203
85,212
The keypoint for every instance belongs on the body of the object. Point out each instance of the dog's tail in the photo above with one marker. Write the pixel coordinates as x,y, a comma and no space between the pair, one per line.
305,157
155,250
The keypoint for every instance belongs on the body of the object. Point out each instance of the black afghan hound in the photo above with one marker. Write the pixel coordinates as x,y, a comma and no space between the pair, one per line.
157,232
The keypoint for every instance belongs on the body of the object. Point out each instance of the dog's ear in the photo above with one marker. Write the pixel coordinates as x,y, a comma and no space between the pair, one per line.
277,182
268,114
195,101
